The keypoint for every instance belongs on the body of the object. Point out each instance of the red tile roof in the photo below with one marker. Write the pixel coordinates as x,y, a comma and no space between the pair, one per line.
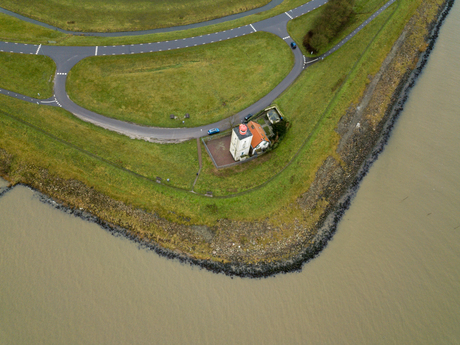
258,133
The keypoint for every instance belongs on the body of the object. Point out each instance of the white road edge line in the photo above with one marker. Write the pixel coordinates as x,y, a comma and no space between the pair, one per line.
288,15
38,49
95,53
312,61
285,38
253,28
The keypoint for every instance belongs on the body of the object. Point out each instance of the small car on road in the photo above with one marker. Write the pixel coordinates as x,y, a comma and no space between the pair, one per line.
213,131
293,45
246,118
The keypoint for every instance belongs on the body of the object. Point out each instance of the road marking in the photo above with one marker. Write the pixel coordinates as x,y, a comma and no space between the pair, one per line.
38,49
312,61
288,15
253,28
285,38
95,54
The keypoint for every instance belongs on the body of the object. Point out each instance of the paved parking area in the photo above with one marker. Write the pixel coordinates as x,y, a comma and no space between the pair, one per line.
219,150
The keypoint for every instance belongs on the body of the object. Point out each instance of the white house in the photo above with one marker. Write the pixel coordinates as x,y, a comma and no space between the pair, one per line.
240,143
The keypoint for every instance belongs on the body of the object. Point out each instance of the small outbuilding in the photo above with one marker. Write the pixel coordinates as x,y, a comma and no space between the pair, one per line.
273,114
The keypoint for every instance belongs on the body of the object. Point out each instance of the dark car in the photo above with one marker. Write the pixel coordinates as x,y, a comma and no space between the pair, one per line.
293,45
246,118
213,131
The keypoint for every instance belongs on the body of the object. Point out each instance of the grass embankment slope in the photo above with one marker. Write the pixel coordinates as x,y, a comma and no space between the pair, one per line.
123,15
314,105
210,82
29,75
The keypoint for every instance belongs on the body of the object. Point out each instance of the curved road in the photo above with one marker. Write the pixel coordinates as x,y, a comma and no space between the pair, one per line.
66,57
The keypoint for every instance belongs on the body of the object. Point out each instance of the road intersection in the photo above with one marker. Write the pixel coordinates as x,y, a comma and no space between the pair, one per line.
66,57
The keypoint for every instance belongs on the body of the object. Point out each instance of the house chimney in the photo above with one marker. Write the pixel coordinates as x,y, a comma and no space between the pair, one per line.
243,129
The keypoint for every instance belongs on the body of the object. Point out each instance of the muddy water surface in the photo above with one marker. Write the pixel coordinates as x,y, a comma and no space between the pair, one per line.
389,276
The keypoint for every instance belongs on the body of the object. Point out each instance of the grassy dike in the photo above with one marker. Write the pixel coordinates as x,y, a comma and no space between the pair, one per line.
274,221
147,88
122,15
30,75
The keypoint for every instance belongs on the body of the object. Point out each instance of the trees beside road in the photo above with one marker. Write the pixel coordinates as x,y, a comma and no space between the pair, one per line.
336,15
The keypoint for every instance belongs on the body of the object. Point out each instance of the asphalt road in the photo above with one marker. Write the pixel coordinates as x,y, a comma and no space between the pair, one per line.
66,57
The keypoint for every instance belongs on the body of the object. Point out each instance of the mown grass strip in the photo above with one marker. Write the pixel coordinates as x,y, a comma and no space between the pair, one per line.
12,29
123,15
30,75
209,82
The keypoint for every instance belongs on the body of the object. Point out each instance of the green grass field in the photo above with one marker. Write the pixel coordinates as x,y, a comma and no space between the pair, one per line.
30,75
126,15
50,138
209,82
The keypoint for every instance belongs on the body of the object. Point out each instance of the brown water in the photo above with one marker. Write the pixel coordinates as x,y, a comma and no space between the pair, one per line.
389,276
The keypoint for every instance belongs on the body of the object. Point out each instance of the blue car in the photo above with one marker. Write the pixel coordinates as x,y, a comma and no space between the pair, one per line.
213,131
293,45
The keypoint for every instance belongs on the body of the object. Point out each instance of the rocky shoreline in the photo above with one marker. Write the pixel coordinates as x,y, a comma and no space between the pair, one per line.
363,138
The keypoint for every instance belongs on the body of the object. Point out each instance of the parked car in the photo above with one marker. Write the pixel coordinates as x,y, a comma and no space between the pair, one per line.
246,118
213,131
293,45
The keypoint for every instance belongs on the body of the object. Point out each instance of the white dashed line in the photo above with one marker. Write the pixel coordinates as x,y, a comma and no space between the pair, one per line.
95,53
38,49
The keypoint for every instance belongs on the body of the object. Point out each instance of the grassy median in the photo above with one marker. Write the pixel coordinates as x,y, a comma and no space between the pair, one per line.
16,30
30,75
124,15
210,82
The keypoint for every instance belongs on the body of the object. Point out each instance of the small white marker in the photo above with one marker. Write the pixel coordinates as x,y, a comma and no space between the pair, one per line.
288,15
38,49
252,28
96,51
